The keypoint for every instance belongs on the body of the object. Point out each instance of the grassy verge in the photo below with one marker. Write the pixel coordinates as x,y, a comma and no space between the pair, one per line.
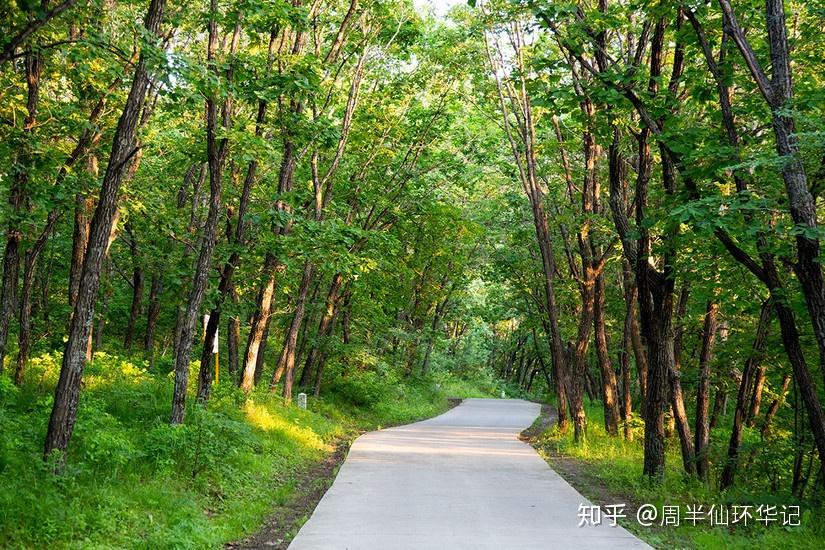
133,481
607,470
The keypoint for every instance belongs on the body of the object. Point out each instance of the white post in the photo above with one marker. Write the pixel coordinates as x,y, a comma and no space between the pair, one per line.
302,400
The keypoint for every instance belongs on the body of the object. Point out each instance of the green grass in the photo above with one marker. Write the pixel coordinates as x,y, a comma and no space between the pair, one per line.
134,481
618,464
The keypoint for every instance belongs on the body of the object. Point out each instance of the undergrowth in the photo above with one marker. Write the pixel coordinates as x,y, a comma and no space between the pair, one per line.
134,481
616,463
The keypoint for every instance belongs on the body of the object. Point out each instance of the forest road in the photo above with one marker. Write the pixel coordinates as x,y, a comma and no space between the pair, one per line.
462,480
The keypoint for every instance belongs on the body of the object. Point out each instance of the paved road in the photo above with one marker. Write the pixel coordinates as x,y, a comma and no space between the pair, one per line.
461,480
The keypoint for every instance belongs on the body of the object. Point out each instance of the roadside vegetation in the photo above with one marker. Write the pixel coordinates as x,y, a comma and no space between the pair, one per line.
209,207
604,470
133,481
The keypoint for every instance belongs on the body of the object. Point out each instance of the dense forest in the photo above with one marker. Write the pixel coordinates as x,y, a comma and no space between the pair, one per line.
211,207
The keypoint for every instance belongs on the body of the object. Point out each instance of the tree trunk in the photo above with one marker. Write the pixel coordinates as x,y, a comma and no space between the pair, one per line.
103,310
286,364
624,362
660,354
8,293
305,328
609,386
720,401
215,153
259,326
756,396
774,408
326,329
632,325
25,321
152,315
233,345
322,358
64,410
80,238
790,339
137,290
259,362
703,391
757,350
321,334
18,201
529,180
238,239
778,94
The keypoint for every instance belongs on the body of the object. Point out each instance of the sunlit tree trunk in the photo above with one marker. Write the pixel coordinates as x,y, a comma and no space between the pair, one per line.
64,410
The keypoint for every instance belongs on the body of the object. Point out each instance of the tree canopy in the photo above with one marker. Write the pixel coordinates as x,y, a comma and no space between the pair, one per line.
609,206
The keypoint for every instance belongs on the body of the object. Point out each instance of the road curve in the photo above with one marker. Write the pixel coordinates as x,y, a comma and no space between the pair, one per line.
462,480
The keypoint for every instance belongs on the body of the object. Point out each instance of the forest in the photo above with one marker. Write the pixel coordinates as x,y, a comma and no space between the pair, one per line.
210,207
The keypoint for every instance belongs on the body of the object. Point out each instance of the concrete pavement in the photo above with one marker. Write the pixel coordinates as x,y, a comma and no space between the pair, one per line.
462,480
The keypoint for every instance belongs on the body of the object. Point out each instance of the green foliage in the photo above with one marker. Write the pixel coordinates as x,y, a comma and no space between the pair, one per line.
613,463
134,481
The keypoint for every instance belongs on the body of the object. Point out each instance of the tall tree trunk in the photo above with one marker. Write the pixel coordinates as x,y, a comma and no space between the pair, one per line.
660,354
655,296
25,319
233,345
305,327
259,361
334,298
703,391
757,350
253,360
609,385
80,239
286,364
64,410
215,153
137,289
322,359
324,326
778,94
639,351
677,399
8,291
104,308
528,176
807,388
152,315
226,286
624,362
774,407
632,322
756,395
801,206
18,201
259,327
